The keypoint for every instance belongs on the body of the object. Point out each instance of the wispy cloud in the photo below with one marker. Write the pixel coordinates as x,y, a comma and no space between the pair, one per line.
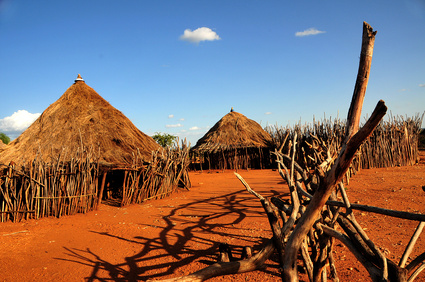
422,85
268,113
170,116
197,128
173,125
15,124
199,34
308,32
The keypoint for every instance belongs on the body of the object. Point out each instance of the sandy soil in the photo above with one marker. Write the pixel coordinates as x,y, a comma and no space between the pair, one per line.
180,234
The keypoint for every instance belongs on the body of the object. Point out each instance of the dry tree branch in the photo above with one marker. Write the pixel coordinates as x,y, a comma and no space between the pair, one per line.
419,260
271,211
370,267
411,244
416,272
352,142
363,235
224,268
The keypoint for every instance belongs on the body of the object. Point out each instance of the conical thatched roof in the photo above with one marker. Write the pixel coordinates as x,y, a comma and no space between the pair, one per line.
81,117
233,131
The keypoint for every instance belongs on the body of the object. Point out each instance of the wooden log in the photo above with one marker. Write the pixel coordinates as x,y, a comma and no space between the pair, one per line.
411,244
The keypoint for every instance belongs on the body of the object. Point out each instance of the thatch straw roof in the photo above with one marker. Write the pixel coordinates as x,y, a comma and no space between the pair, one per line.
233,131
81,117
2,145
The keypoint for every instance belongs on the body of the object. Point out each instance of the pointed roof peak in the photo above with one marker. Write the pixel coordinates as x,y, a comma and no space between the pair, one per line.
79,78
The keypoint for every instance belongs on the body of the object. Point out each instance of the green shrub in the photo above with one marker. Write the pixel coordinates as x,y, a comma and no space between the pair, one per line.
4,138
164,139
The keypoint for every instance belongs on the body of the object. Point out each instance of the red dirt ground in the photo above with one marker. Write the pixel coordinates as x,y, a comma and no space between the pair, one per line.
180,234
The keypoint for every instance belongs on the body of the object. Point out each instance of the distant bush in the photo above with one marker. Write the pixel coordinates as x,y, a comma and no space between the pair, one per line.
4,138
164,139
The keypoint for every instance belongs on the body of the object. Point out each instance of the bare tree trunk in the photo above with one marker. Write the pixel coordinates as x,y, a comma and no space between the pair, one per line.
351,144
353,117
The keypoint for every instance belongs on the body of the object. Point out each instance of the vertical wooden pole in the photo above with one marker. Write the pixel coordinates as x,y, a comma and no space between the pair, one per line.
99,200
124,189
354,113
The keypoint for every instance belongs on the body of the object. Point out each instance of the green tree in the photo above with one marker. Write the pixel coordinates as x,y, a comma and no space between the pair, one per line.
4,138
164,139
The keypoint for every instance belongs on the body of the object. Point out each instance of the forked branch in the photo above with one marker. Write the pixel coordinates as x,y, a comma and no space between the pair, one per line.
352,142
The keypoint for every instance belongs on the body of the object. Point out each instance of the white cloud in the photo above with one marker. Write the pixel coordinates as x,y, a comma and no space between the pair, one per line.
199,34
308,32
202,128
422,85
170,116
173,125
15,124
268,113
182,119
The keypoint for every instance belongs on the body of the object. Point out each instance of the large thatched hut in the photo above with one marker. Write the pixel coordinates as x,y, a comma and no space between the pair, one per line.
80,150
234,142
81,117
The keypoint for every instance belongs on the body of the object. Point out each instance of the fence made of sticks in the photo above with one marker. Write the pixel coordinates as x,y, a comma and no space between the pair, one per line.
392,143
39,189
234,158
167,170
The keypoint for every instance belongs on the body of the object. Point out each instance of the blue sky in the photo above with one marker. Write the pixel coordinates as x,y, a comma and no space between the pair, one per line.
177,67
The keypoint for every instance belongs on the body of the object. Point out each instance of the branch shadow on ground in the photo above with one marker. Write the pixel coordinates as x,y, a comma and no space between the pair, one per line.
190,233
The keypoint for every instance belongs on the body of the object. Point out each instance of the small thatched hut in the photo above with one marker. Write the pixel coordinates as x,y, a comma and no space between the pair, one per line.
234,142
81,117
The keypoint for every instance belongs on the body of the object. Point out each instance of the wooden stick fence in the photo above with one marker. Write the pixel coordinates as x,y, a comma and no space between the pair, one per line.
39,189
167,170
232,158
392,143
